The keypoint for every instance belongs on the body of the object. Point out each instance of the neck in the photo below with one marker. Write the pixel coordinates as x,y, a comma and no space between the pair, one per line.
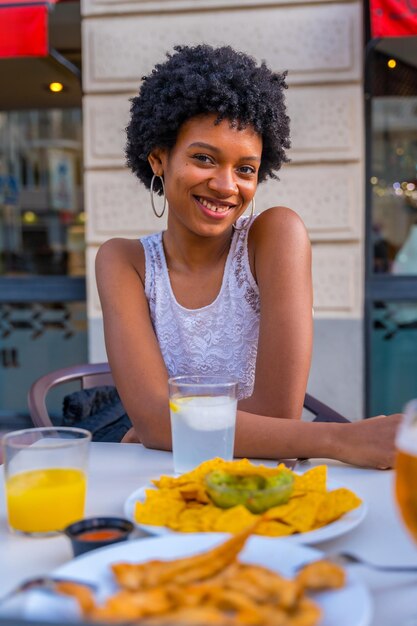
186,251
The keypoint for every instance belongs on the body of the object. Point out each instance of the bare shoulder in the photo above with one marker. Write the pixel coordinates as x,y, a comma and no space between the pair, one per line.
279,227
118,248
121,253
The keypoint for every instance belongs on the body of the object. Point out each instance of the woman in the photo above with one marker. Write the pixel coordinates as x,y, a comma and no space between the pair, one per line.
219,292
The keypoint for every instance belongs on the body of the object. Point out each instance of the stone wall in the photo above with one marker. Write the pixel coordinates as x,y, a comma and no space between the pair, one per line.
320,44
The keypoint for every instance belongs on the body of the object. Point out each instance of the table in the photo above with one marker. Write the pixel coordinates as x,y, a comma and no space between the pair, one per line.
115,470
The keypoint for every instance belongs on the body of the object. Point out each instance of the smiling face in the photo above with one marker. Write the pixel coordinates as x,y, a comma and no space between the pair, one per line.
210,174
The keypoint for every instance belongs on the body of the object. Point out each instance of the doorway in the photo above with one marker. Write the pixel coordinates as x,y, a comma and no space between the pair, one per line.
391,247
43,321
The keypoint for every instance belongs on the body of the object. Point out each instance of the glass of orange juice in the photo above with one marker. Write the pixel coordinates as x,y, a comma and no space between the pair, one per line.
46,480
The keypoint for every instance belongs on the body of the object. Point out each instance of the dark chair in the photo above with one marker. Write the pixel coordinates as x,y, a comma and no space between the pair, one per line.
87,375
322,412
91,375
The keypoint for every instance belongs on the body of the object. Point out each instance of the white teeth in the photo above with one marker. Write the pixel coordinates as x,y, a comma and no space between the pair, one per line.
213,207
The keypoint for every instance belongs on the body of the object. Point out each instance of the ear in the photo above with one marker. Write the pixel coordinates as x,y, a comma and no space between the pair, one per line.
157,160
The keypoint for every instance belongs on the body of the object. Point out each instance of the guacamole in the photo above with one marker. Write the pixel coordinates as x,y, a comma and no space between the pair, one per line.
257,493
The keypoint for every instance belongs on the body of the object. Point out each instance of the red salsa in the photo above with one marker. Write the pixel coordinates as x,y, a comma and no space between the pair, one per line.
101,534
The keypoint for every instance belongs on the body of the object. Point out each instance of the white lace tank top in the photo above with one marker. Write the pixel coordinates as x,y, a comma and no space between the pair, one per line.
218,339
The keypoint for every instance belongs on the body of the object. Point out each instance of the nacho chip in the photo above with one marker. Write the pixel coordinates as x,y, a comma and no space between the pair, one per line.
209,517
188,521
299,514
194,491
158,511
335,504
312,480
234,520
274,528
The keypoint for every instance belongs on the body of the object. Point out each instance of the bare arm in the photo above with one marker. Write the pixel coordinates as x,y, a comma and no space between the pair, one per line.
132,347
281,259
282,265
367,443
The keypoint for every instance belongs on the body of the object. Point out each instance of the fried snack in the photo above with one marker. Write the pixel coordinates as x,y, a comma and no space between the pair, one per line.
263,586
128,606
210,589
321,575
81,593
196,616
182,503
307,614
187,570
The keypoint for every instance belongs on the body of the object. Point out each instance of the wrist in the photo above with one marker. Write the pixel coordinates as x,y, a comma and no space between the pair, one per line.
334,441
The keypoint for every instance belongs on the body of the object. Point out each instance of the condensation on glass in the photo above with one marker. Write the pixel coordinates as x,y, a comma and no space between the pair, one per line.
42,218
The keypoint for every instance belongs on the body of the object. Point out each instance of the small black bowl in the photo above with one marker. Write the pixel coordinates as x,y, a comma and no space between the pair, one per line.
96,532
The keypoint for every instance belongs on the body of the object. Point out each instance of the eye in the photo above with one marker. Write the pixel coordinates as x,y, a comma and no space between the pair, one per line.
247,170
203,158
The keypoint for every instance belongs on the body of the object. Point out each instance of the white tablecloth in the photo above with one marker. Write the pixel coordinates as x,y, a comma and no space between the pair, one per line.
118,469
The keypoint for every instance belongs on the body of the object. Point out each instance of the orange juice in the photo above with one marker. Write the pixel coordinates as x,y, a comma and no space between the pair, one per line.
45,500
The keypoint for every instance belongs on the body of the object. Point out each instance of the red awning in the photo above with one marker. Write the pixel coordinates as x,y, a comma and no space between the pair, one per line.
393,18
24,28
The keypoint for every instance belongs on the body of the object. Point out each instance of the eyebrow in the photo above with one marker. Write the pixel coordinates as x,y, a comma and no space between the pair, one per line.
208,146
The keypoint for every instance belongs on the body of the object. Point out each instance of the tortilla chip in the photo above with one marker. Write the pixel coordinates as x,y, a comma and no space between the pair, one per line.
274,528
158,511
335,504
234,520
312,480
194,491
209,517
246,468
299,514
188,521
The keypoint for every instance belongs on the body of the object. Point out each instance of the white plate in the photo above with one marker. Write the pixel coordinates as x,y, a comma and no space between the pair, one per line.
341,526
350,606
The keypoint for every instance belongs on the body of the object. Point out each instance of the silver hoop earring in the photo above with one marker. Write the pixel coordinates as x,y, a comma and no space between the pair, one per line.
152,195
252,211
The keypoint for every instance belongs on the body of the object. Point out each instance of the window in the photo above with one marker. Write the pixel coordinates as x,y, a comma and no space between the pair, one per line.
391,277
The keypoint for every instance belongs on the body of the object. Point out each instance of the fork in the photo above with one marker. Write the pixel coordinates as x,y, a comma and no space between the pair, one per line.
46,583
347,558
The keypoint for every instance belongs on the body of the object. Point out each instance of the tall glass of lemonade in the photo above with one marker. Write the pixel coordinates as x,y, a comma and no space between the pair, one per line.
203,417
46,478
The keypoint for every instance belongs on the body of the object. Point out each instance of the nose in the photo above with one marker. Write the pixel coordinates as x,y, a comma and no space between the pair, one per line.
223,182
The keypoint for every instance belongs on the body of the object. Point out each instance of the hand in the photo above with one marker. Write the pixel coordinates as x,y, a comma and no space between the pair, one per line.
370,442
131,437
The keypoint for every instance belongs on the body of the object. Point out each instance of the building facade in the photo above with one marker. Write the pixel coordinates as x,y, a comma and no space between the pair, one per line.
321,46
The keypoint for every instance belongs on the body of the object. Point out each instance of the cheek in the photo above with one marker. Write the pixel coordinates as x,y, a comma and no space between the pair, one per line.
188,176
249,190
176,186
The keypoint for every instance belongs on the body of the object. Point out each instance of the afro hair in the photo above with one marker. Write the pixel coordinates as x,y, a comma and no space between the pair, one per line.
205,80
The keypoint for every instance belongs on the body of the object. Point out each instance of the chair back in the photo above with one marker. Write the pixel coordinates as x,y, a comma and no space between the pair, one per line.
322,412
88,375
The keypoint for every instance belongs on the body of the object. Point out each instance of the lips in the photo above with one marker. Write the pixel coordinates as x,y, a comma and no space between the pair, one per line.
214,208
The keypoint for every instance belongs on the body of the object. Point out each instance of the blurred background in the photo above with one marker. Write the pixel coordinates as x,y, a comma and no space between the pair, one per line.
67,71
